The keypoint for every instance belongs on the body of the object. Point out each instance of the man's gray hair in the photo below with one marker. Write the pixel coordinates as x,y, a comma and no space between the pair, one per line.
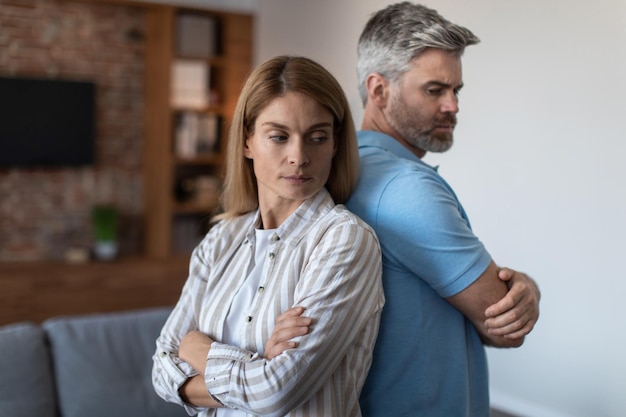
397,34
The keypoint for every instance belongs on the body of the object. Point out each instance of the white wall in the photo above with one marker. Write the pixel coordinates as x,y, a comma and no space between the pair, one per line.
538,164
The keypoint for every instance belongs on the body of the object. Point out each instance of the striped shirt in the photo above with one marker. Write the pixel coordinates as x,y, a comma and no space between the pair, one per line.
323,258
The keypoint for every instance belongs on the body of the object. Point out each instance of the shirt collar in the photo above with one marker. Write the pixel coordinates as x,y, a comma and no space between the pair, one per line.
370,138
300,221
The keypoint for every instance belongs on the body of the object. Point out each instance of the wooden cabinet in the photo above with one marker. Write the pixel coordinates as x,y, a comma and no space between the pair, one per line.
36,291
180,181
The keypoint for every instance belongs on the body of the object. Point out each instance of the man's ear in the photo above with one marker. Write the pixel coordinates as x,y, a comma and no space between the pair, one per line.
377,89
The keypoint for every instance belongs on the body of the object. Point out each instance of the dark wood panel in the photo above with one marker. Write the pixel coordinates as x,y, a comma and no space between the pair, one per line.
40,290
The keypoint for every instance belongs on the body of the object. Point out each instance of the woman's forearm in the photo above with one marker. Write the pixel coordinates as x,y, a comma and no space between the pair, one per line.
194,392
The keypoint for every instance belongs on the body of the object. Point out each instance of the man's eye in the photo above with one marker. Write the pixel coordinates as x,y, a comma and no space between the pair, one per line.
434,91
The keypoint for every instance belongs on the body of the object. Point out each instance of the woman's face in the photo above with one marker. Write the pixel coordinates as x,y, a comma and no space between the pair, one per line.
292,148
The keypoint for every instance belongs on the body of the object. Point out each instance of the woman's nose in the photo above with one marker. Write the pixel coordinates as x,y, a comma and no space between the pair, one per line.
298,155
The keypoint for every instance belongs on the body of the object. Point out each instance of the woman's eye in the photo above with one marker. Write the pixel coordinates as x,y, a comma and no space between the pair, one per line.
319,139
278,138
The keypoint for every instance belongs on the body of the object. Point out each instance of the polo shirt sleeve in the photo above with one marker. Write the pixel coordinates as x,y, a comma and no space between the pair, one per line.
423,228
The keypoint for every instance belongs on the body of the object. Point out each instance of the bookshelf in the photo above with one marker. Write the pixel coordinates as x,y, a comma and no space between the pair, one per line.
196,63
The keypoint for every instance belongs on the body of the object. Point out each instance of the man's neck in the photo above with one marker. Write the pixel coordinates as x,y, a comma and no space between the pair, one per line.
383,127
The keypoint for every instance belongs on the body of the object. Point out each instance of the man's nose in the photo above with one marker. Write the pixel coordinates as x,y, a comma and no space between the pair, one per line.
450,103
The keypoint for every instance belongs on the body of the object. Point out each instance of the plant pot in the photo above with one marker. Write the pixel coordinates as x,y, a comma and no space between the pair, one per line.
105,250
104,219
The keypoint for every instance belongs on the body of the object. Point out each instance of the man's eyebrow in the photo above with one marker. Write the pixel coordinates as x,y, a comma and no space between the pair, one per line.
442,84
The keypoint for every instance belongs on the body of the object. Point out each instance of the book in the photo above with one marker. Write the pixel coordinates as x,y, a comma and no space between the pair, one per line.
196,134
190,84
197,35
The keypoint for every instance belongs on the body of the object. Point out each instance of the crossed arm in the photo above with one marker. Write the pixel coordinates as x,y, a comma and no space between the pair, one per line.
503,323
503,305
515,315
195,346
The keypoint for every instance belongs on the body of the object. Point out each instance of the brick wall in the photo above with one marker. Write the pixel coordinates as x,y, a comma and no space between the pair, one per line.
44,212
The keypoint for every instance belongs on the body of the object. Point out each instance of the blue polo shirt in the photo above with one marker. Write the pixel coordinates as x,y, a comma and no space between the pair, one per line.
428,360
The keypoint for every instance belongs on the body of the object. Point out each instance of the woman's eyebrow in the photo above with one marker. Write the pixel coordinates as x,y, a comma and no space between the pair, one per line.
314,126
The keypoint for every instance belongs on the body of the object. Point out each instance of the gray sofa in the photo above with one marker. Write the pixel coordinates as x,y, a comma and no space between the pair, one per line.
83,366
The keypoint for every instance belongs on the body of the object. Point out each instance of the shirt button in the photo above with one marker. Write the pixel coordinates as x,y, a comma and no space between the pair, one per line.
248,356
249,319
271,255
275,238
163,354
261,289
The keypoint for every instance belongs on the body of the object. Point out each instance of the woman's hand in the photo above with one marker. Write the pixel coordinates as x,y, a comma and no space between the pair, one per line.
289,324
194,348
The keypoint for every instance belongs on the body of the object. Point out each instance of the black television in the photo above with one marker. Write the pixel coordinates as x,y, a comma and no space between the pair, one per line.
46,122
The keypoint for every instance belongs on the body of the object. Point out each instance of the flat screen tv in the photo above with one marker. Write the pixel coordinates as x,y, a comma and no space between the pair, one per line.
46,123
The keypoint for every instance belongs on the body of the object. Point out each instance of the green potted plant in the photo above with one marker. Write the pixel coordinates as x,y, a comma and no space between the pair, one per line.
104,220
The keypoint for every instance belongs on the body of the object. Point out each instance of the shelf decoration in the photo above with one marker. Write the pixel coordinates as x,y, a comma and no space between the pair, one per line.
196,134
190,84
104,219
197,35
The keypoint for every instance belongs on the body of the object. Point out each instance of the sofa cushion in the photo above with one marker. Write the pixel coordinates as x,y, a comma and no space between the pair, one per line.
103,364
26,388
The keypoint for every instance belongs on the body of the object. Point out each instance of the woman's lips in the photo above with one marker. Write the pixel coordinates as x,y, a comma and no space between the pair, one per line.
297,179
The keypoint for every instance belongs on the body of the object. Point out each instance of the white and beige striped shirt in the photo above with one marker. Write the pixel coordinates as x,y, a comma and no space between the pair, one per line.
323,258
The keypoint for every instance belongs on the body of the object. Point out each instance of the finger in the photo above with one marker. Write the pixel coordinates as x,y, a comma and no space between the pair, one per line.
523,312
279,348
521,333
508,329
292,322
510,326
291,312
505,274
289,333
505,304
517,291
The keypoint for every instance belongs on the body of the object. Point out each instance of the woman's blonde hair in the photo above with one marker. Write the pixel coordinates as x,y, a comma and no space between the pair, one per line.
267,82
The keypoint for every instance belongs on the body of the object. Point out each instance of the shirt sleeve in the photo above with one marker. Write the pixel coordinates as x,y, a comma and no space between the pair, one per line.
423,227
340,287
169,372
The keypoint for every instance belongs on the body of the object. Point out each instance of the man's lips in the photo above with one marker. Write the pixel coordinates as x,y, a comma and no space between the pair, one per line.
445,126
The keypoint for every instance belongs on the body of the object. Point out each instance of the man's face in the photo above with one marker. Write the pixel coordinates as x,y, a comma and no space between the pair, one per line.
423,104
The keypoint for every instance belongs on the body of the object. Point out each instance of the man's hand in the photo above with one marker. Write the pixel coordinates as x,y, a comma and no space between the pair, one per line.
288,325
515,315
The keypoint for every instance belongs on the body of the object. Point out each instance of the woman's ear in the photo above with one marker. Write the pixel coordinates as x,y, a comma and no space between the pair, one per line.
247,152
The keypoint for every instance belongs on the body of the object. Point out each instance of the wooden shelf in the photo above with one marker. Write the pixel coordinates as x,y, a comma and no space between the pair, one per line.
211,159
164,170
36,291
190,208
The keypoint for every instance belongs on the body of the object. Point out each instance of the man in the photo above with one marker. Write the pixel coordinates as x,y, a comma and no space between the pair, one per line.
445,296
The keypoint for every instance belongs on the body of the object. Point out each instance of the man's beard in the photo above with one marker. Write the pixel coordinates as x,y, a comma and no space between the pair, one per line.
417,131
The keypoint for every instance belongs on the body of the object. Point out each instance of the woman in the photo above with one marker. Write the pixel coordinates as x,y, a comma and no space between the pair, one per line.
285,243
